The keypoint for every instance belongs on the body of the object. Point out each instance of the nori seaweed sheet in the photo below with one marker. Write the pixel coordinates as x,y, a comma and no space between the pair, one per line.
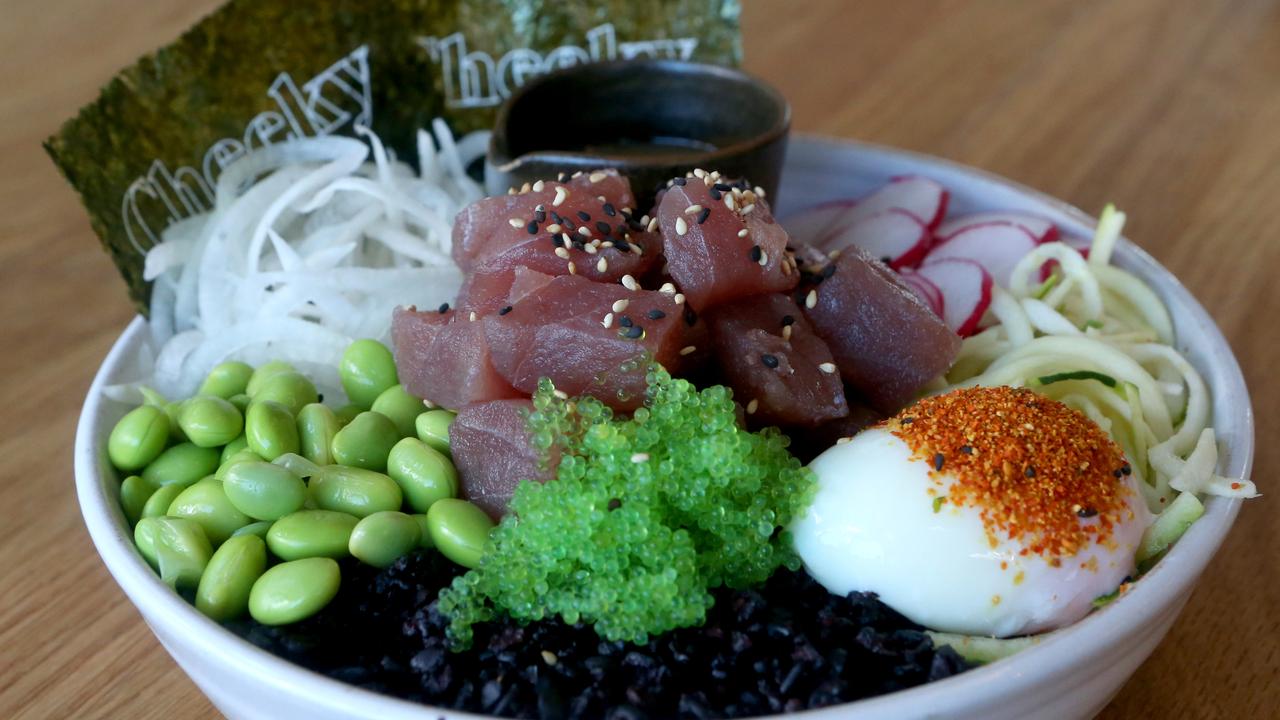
163,114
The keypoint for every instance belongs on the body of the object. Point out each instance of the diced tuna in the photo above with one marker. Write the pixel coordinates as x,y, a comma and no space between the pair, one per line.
493,453
588,338
722,243
811,442
485,293
443,357
777,367
887,343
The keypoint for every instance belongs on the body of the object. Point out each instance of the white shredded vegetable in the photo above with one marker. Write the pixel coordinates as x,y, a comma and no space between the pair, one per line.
310,245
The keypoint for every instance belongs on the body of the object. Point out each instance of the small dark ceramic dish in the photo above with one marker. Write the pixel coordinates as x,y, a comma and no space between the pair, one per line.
651,119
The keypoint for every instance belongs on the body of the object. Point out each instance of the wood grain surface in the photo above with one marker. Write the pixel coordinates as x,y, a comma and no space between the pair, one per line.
1169,108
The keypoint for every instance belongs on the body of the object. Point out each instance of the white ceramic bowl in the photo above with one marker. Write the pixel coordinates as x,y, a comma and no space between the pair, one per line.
1071,675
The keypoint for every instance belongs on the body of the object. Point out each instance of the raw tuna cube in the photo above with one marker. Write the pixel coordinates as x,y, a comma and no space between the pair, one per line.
887,343
485,293
492,451
569,331
722,244
590,224
443,357
777,367
811,442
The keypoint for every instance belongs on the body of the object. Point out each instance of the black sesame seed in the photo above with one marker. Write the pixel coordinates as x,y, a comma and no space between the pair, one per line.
609,210
540,216
556,241
827,271
716,194
579,244
603,227
886,259
938,461
625,321
444,308
1118,472
560,177
622,245
908,420
320,397
756,253
557,217
788,320
966,449
770,361
690,317
1086,512
633,332
505,310
702,216
656,314
722,187
635,225
680,181
1126,469
532,227
1030,471
583,216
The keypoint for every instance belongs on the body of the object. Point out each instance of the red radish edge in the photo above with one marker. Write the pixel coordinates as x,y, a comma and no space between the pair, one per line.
958,294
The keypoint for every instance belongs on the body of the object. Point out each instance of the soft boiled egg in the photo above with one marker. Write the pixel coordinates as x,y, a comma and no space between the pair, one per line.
986,511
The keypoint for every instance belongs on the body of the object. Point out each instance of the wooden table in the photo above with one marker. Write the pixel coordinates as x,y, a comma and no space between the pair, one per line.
1169,109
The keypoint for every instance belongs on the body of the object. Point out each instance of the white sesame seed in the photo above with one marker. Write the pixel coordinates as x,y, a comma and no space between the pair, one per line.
562,253
597,177
524,188
764,258
620,305
827,368
560,394
554,228
602,265
678,299
564,238
640,457
748,208
729,202
786,332
630,283
811,300
584,231
844,440
667,289
601,198
693,210
561,194
644,219
608,320
428,405
576,175
573,268
537,187
834,254
606,244
681,226
688,349
751,406
653,225
744,232
759,191
699,173
592,248
516,223
511,191
549,657
472,317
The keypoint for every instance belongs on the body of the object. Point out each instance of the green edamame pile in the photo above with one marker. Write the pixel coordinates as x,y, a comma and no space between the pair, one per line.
249,492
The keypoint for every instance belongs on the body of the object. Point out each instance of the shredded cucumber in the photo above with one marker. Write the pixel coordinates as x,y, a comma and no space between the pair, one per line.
980,649
1169,526
1077,375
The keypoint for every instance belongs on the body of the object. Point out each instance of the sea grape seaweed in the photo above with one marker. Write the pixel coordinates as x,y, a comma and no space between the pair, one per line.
644,518
148,151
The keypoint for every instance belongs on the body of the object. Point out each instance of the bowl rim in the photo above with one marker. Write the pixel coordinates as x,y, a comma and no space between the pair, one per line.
1086,640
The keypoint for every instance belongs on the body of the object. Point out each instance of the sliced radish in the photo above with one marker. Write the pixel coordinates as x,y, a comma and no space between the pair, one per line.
1080,244
925,289
1042,230
895,236
809,225
995,247
966,292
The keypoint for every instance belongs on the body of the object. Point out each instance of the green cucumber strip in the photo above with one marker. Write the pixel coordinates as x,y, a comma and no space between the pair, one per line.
1076,375
1048,285
1169,526
980,649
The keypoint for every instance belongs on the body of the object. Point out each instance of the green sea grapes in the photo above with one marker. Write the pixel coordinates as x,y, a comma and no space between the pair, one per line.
645,516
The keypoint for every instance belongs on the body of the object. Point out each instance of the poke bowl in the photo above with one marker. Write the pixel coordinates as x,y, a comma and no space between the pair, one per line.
1070,673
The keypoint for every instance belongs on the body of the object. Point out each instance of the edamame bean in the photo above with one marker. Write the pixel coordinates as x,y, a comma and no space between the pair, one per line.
265,371
294,590
365,442
208,504
347,413
138,438
367,369
144,538
317,425
223,592
432,427
424,474
158,504
297,465
424,534
243,456
175,430
182,464
311,533
355,491
241,402
382,537
134,494
260,528
288,388
210,421
264,491
459,530
226,379
400,407
233,447
270,429
182,550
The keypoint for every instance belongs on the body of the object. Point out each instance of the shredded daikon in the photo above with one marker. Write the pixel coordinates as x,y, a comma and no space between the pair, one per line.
310,245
